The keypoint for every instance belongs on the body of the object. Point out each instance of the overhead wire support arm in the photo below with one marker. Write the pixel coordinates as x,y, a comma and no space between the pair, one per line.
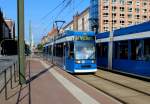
59,27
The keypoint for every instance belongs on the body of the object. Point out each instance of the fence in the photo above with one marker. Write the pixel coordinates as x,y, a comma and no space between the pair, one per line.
8,75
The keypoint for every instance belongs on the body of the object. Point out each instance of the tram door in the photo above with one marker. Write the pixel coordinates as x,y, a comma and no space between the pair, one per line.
69,59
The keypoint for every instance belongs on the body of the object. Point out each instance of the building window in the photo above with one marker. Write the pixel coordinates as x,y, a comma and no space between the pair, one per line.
114,1
105,7
113,15
122,2
137,10
137,16
106,29
129,9
129,15
122,15
144,3
144,10
129,2
144,17
105,14
137,3
114,8
105,21
122,9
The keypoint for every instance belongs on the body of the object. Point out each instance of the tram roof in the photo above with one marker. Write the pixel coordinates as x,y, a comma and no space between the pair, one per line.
143,27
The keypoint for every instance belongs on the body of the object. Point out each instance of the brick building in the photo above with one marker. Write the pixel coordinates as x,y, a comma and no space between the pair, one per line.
114,14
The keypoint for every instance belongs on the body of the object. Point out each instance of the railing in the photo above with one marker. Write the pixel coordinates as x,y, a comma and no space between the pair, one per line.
7,74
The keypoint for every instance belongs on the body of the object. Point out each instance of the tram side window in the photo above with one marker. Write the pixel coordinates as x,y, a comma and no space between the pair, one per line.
140,49
121,50
59,50
71,50
137,50
147,49
50,50
103,49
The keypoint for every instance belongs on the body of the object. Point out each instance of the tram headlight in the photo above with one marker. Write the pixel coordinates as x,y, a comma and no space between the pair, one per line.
78,61
93,61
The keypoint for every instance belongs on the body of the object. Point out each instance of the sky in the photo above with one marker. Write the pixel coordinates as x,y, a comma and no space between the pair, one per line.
37,11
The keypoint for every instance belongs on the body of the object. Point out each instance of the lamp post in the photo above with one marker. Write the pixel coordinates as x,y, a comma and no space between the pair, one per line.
20,7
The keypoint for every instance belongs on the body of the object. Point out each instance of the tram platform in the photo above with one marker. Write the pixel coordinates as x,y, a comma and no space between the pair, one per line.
47,84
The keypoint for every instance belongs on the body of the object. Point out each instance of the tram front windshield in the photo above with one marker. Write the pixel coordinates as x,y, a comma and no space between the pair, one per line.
84,50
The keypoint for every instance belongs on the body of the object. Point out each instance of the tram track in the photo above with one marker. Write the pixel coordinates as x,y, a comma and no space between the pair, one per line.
123,85
93,79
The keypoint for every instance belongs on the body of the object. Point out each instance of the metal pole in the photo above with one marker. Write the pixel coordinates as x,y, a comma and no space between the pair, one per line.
30,35
20,7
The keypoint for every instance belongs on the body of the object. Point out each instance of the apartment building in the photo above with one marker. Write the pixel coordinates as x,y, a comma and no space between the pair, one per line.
115,14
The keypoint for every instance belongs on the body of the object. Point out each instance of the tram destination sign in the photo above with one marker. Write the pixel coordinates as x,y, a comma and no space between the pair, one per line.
84,38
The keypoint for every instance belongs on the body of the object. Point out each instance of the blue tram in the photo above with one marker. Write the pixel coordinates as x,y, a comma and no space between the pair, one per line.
126,50
74,51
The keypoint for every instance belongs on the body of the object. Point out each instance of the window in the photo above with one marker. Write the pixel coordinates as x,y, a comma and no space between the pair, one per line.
71,50
121,15
114,21
114,1
147,49
122,22
144,10
129,15
129,9
103,49
114,8
137,16
121,50
137,10
144,17
138,3
113,14
105,7
122,9
84,50
122,2
144,3
105,14
137,49
106,29
105,21
129,2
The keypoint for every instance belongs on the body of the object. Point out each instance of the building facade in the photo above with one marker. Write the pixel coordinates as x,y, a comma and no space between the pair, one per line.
4,29
11,25
80,22
115,14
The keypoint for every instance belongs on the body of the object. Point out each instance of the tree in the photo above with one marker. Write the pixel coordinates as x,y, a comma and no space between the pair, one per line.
40,47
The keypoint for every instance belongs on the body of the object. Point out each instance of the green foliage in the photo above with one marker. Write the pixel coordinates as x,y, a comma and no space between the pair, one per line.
40,47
